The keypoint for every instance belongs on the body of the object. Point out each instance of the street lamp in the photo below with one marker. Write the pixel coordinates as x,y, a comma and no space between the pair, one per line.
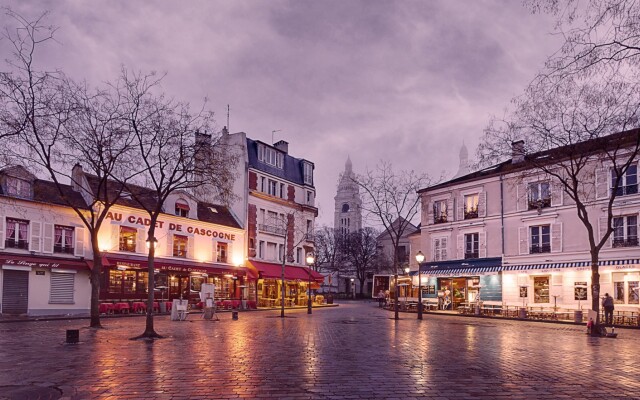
353,288
310,260
420,260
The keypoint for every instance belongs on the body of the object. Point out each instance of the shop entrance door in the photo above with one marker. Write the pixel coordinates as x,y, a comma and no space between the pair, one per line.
179,286
459,293
15,292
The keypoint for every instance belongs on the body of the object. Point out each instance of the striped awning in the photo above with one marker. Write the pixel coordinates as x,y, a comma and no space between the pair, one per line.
577,264
461,267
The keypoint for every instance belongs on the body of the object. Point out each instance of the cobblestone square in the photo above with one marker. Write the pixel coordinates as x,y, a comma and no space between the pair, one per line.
354,351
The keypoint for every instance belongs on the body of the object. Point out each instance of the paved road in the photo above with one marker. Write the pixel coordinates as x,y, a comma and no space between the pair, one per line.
354,351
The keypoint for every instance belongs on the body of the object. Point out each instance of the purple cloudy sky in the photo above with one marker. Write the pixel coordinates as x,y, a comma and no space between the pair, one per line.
406,81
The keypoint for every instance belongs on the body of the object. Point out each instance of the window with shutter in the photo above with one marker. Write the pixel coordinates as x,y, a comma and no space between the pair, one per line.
62,287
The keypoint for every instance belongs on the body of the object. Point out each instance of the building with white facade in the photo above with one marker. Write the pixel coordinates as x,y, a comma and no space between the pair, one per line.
510,235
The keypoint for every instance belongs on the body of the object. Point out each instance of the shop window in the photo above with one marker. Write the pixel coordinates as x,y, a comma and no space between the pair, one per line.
540,239
115,281
471,241
17,231
541,289
471,206
62,287
196,283
539,195
182,208
628,182
142,286
618,292
18,188
180,244
129,282
440,212
63,236
128,237
625,231
221,252
634,296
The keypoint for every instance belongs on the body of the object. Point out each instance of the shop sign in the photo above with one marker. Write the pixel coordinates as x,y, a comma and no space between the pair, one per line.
580,290
523,292
132,219
31,264
39,272
172,268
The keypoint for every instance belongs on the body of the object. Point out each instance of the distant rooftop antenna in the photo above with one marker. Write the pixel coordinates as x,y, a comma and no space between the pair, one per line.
272,133
228,126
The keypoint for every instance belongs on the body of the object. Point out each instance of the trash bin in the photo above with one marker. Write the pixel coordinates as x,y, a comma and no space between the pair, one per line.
329,299
522,314
577,316
234,315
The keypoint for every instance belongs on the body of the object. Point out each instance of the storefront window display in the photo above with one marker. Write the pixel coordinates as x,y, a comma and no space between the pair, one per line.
618,292
541,289
634,297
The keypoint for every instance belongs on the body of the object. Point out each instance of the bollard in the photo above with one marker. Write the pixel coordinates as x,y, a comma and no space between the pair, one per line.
73,336
234,315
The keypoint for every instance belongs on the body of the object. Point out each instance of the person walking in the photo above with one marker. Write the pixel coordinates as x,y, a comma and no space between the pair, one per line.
381,298
607,304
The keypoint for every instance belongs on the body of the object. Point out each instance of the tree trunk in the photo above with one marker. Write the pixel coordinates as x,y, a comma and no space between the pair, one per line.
96,275
149,331
595,286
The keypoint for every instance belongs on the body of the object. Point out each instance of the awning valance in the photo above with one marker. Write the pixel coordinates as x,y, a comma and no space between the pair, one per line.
461,267
291,272
164,264
43,262
576,264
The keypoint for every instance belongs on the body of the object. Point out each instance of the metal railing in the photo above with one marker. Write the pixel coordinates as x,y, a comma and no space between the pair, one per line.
628,242
276,230
58,248
545,248
16,244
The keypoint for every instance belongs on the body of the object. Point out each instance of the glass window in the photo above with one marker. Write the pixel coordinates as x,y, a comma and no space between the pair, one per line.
539,195
440,211
540,289
471,242
63,239
196,283
17,232
221,252
625,231
283,193
115,281
471,206
272,187
634,297
128,237
180,244
618,292
129,282
143,281
182,209
628,183
308,173
440,249
540,239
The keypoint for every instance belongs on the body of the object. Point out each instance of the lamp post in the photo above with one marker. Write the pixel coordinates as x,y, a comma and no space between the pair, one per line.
310,261
353,288
420,260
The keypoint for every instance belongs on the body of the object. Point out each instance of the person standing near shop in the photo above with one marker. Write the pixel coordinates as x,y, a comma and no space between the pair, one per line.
607,304
381,298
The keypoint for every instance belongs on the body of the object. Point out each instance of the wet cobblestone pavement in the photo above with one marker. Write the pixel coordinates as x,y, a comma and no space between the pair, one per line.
355,351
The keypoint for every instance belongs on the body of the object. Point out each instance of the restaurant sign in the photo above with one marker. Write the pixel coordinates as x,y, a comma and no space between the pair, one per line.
132,219
523,292
31,264
580,290
163,267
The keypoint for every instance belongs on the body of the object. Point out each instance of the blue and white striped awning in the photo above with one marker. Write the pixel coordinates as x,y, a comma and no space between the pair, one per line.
577,264
460,267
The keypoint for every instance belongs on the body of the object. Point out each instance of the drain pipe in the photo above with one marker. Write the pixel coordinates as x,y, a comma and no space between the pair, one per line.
502,212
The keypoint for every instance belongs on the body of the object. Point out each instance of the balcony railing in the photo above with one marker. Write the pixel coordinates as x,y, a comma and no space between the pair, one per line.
628,242
472,254
271,229
124,246
309,237
539,203
16,244
471,214
439,219
58,248
545,248
626,190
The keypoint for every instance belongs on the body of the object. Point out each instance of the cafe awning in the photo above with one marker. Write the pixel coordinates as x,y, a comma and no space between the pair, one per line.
291,272
468,267
164,264
575,264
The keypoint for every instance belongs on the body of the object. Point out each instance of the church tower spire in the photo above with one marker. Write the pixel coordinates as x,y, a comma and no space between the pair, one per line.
463,166
348,205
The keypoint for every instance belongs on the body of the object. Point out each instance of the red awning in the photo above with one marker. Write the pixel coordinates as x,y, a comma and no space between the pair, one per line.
291,272
42,262
164,264
182,206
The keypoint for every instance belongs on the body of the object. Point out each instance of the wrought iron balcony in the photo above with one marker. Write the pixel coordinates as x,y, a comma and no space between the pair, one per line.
626,190
58,248
439,219
16,244
125,246
273,229
471,214
545,248
628,242
539,203
472,254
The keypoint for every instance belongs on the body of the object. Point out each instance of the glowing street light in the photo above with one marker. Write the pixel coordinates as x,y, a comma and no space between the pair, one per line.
420,260
310,260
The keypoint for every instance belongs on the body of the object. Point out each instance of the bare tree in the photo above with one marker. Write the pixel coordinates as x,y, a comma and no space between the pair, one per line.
171,155
61,123
574,130
360,249
392,199
328,245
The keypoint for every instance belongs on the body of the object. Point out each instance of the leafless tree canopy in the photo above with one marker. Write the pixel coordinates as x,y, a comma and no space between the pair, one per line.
360,249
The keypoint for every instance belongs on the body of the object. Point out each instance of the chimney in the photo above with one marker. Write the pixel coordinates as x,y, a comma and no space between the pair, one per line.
282,146
225,131
76,177
202,139
517,152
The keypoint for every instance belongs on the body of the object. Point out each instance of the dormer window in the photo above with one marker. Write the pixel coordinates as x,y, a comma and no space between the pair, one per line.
270,156
182,208
308,173
18,187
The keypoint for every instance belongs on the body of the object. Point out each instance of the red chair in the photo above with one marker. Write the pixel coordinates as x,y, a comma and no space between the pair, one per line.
235,303
122,307
219,304
168,305
227,304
